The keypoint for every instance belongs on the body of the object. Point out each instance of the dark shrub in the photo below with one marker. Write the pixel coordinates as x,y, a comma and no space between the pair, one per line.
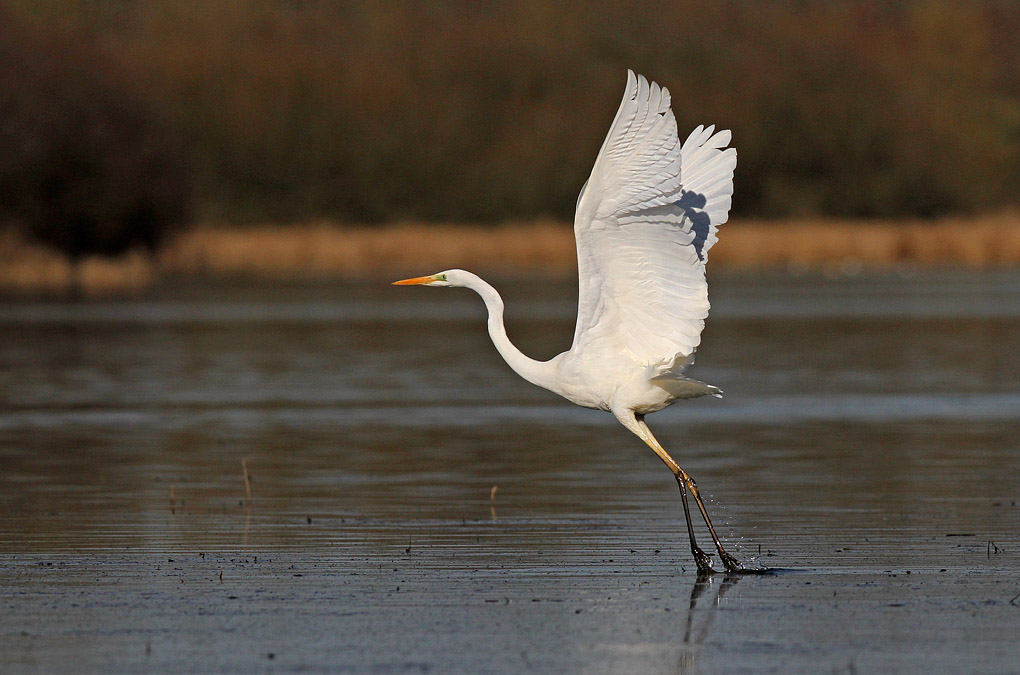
86,165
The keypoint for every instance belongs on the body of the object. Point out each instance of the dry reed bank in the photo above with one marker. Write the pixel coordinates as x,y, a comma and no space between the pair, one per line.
328,251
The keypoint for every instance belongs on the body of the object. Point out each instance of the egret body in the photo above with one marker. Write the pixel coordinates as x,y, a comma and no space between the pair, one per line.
645,221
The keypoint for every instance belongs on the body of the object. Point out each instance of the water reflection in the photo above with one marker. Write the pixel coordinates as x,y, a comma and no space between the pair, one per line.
701,610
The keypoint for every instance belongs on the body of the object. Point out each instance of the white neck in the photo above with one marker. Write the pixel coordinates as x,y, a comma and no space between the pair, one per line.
542,373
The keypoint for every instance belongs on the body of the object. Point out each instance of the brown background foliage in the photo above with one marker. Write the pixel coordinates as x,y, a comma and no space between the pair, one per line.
363,111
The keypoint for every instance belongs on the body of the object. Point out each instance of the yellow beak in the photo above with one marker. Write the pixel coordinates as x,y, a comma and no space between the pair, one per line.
415,281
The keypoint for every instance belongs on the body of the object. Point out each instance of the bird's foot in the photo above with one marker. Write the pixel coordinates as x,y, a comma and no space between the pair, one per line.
703,560
730,563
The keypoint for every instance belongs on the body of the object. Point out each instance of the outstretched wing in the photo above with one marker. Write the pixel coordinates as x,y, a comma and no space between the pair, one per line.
645,222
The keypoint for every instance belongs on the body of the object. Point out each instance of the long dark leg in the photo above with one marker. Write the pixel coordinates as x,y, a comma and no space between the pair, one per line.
686,483
729,562
700,557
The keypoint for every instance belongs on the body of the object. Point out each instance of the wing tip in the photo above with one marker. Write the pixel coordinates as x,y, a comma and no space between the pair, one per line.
640,87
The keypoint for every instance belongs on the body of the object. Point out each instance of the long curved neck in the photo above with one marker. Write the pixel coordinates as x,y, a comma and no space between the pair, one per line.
542,373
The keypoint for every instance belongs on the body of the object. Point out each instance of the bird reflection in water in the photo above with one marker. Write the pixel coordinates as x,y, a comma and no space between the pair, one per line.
710,602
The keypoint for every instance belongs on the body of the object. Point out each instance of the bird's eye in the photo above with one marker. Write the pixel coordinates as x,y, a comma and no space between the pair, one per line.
442,277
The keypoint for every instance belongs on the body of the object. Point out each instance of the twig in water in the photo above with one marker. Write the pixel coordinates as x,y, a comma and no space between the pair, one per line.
247,478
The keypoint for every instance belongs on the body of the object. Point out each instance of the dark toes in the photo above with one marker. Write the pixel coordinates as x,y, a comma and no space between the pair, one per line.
703,560
730,563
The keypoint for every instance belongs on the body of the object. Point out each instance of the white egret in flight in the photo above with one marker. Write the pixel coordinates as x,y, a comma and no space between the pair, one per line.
645,222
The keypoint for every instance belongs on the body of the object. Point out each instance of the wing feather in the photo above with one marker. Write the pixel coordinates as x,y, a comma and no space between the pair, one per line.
645,222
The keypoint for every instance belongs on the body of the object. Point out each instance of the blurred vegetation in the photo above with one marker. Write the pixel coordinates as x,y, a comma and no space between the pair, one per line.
86,166
370,111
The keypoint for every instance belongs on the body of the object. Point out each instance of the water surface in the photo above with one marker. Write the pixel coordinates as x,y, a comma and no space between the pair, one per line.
868,441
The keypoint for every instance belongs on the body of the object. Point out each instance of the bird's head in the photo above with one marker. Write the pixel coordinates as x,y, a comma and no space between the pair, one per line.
449,278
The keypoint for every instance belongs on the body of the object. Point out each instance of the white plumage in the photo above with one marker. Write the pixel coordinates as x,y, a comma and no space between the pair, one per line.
644,224
645,221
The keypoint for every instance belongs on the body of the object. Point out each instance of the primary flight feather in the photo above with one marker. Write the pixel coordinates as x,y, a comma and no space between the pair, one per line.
645,222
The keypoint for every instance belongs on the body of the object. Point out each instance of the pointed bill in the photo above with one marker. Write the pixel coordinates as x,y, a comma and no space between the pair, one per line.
415,281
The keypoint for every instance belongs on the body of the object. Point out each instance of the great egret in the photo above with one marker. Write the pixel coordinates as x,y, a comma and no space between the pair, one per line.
644,223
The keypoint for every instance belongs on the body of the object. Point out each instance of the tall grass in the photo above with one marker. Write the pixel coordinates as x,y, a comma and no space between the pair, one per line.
323,250
974,242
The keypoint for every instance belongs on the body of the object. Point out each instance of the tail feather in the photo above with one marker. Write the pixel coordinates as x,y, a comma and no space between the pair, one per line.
685,387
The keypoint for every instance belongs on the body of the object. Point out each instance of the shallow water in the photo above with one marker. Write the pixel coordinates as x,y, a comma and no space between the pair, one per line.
868,444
